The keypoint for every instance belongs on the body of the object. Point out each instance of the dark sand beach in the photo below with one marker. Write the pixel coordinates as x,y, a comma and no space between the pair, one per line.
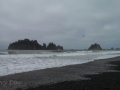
97,75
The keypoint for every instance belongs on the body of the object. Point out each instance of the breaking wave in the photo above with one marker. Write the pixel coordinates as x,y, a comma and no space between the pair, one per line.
18,61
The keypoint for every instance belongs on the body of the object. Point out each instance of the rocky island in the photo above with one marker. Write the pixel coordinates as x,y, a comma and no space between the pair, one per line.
95,47
27,44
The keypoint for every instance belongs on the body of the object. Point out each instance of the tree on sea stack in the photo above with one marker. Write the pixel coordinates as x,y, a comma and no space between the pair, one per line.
95,47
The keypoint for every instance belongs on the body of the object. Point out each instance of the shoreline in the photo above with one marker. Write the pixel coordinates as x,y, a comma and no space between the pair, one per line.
55,75
102,81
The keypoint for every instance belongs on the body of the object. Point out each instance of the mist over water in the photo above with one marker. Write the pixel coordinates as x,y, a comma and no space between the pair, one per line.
17,61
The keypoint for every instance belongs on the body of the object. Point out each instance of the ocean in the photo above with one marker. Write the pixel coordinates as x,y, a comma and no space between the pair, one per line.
17,61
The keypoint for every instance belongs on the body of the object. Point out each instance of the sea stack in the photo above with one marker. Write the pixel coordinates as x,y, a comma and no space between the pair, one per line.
27,44
95,47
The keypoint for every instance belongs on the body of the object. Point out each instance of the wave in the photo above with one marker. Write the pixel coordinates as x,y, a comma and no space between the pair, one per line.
9,52
64,54
16,63
4,53
78,53
13,52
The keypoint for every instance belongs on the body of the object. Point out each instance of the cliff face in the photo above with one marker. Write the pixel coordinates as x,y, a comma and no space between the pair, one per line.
26,44
95,47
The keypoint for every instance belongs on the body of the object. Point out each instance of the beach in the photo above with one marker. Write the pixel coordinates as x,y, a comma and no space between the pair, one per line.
66,76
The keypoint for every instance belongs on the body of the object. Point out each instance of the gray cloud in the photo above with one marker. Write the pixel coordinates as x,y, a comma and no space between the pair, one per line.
63,22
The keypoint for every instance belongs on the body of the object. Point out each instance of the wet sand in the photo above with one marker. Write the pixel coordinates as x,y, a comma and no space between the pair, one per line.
70,75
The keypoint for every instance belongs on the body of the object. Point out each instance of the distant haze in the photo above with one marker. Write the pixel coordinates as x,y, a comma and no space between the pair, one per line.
73,24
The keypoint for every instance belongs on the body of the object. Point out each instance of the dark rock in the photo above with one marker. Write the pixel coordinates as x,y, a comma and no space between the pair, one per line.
52,46
44,46
95,47
112,48
26,44
59,47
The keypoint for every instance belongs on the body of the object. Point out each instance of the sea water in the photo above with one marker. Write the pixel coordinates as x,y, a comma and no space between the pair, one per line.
17,61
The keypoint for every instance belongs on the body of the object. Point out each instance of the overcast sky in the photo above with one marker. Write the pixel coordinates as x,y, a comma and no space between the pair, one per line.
63,22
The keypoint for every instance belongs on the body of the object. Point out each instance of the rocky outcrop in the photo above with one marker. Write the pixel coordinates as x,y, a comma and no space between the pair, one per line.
52,46
27,44
95,47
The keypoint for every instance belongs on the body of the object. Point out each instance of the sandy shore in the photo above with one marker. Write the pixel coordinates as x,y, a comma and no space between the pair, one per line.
55,75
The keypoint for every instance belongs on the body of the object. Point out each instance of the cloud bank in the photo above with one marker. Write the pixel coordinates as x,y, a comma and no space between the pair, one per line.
63,22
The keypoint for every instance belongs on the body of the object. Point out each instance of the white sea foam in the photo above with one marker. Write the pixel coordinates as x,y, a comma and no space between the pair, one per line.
22,62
